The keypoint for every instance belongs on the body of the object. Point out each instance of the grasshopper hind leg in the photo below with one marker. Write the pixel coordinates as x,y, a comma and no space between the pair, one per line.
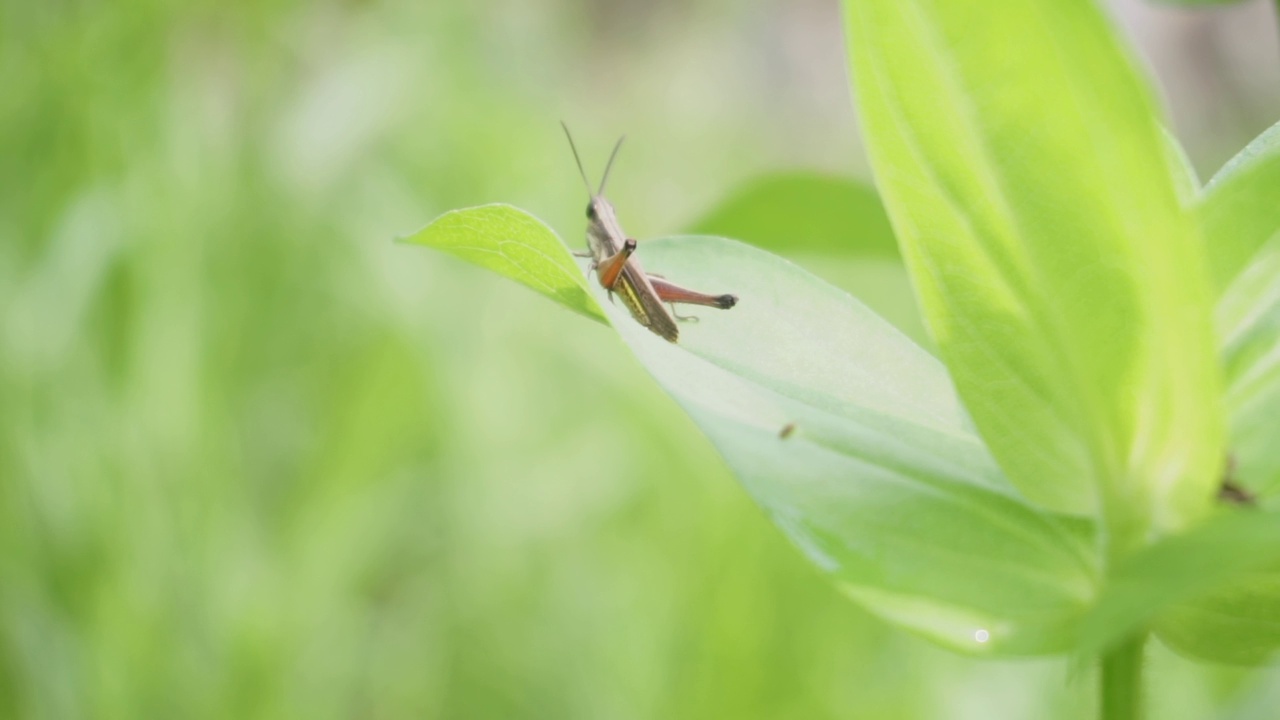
671,294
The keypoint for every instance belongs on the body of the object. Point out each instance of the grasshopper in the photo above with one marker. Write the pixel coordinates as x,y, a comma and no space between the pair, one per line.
612,258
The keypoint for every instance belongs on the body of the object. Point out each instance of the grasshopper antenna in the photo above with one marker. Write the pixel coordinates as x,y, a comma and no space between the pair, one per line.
574,148
609,166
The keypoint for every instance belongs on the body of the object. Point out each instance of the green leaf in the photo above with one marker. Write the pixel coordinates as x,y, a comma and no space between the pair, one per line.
1186,180
1249,325
1192,585
1237,625
1022,164
1240,211
511,242
882,481
802,212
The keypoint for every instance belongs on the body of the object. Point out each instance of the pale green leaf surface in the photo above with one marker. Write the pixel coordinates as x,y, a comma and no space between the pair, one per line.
1021,161
1220,577
511,242
883,483
882,285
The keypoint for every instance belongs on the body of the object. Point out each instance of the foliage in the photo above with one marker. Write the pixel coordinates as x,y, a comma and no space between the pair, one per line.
256,461
1071,273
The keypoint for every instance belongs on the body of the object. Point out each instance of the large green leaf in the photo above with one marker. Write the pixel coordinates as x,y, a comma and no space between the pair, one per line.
803,212
883,483
1022,163
1210,592
1215,594
511,242
1237,622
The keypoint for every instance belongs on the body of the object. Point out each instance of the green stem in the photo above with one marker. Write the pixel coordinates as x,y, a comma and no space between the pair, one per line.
1122,681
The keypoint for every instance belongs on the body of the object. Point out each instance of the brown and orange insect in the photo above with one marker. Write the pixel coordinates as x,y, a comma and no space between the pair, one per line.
619,271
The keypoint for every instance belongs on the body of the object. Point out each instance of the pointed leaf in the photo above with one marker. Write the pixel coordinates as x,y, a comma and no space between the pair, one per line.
1022,163
511,242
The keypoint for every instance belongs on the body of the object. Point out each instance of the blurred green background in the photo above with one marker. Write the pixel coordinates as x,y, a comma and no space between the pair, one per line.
256,460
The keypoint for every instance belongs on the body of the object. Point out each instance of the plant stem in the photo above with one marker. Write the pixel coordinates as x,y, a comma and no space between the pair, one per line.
1122,681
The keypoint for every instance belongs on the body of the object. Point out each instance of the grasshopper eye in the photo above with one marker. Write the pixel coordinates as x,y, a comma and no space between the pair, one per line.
591,211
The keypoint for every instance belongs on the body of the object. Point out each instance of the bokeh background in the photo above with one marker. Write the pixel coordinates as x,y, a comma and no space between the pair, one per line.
257,461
